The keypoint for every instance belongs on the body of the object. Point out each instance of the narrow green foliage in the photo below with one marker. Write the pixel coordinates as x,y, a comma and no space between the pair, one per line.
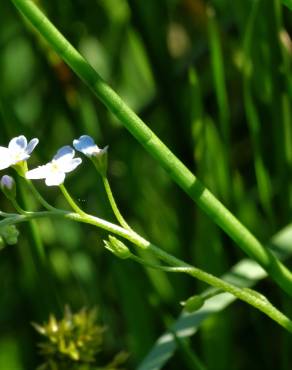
189,357
287,133
288,3
218,69
219,76
255,125
196,115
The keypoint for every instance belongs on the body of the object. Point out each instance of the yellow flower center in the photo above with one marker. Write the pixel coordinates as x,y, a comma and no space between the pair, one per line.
54,166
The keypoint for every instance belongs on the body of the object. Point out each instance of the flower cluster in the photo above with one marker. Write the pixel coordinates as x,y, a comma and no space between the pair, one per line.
63,162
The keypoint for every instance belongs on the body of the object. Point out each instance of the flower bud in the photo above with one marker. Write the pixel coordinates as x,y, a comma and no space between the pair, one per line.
118,248
193,303
8,186
10,234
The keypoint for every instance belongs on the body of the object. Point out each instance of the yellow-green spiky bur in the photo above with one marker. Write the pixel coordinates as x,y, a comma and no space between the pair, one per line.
74,342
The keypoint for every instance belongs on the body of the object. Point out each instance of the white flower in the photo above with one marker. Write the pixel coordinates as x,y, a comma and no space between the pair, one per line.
55,171
18,150
86,145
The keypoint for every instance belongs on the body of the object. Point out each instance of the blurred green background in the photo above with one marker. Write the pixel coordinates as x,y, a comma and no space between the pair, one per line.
213,80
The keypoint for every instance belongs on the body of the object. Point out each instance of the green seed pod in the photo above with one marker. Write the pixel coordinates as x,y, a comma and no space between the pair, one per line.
193,303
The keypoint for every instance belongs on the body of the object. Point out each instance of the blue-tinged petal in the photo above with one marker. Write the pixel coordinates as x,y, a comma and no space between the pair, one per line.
31,145
64,153
86,145
18,143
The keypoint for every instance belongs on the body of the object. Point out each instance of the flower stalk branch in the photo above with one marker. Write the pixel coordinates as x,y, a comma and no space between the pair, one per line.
249,296
54,174
39,197
113,204
71,201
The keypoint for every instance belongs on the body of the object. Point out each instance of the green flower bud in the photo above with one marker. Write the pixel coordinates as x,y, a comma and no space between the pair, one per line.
193,303
10,234
8,187
118,248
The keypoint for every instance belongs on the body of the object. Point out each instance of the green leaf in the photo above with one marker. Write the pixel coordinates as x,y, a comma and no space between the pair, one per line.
288,3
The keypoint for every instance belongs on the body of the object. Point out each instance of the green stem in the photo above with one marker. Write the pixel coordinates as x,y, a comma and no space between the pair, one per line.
211,294
113,204
38,196
84,218
153,265
17,207
176,169
249,296
5,214
34,235
71,201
